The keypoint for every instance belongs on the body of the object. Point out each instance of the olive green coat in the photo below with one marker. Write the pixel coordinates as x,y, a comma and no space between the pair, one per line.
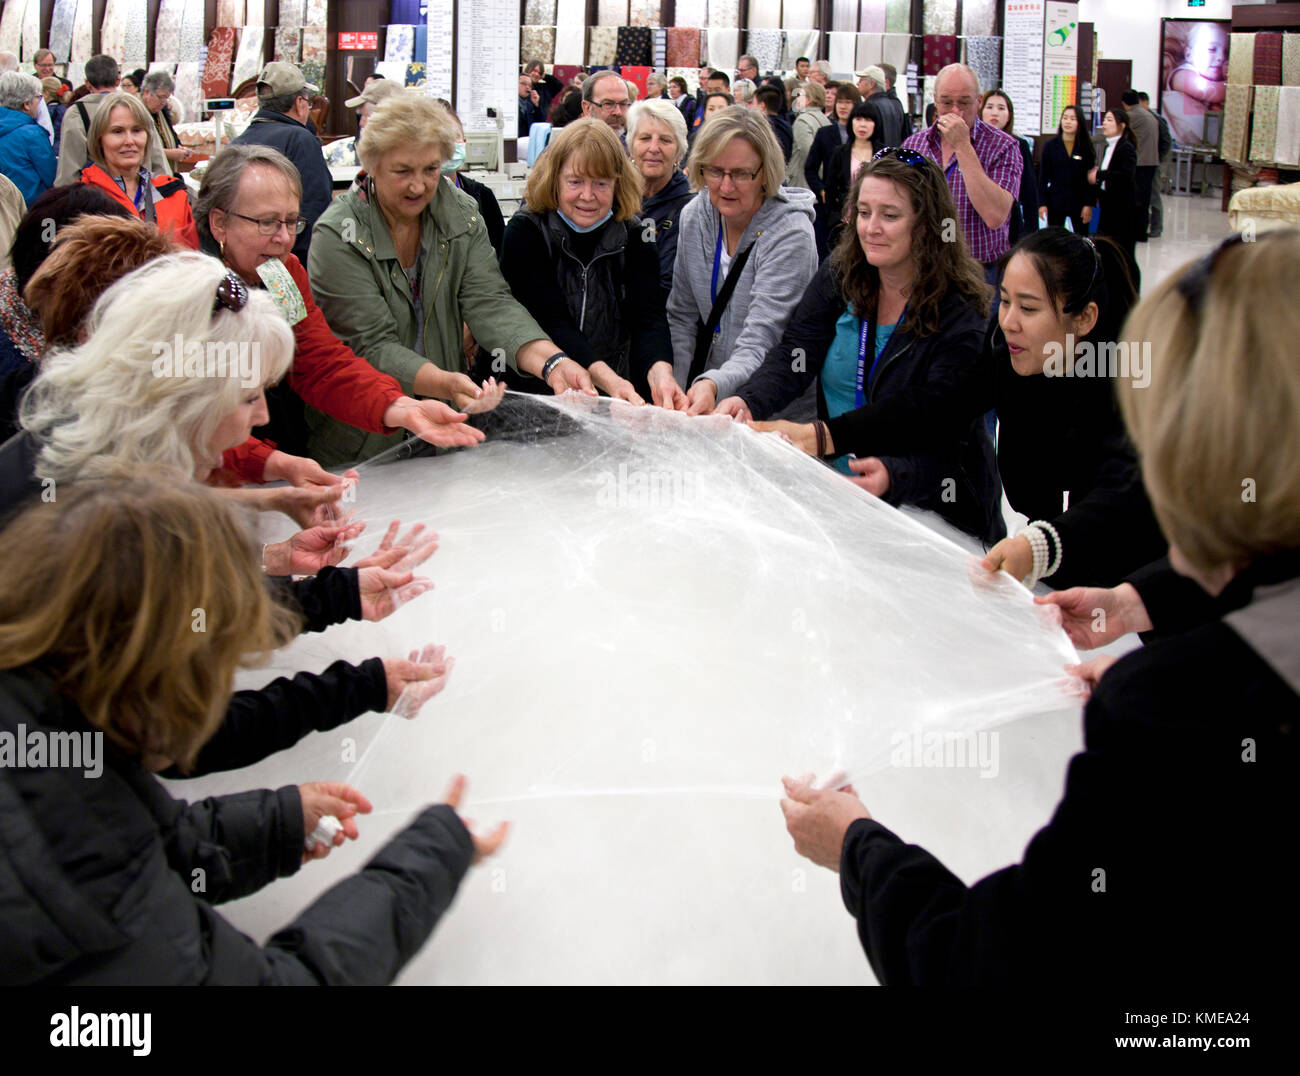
359,285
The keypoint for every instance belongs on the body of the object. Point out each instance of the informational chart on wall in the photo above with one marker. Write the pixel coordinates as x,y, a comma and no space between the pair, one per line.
1023,24
1060,62
487,65
441,49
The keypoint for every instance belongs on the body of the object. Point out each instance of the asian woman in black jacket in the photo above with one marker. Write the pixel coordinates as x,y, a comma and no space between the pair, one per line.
865,123
1063,189
1115,176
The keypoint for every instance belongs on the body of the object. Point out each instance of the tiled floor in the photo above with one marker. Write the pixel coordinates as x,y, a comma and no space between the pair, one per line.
1193,224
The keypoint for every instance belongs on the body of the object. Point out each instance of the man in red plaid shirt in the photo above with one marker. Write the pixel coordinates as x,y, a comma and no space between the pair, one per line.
981,163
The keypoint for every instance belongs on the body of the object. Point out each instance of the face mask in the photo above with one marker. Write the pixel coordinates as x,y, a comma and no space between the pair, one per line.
590,227
457,159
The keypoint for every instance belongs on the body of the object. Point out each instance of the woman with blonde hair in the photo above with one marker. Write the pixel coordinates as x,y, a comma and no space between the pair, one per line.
402,263
119,143
744,256
1188,742
97,642
583,263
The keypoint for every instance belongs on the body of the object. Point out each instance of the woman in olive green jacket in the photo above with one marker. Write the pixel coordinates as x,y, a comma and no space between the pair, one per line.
401,262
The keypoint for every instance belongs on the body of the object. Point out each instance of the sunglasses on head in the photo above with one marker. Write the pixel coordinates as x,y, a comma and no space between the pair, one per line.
907,156
232,294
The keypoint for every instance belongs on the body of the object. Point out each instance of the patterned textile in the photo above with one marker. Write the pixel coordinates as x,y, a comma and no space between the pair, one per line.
83,27
940,50
231,12
683,46
294,13
11,25
799,43
1287,148
977,17
537,43
31,29
1290,60
288,43
136,36
764,15
691,75
189,91
65,14
540,12
1263,136
248,60
399,45
1241,59
167,32
415,74
216,72
873,17
636,76
723,15
313,46
692,13
565,72
569,40
798,15
342,153
75,72
611,13
984,54
765,46
724,48
1268,60
112,31
603,45
869,50
659,47
644,13
191,31
16,318
633,46
1000,155
898,17
316,11
1236,123
313,71
939,17
898,51
843,51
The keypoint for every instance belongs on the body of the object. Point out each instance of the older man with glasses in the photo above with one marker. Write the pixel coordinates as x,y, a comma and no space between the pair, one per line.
156,93
981,163
605,97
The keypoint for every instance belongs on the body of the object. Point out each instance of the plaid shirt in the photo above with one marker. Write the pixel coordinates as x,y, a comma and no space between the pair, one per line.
999,156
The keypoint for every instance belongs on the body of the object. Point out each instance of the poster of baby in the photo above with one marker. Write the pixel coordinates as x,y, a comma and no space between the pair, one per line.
1194,78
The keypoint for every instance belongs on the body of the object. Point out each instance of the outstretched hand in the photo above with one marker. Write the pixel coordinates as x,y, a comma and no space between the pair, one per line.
484,845
818,820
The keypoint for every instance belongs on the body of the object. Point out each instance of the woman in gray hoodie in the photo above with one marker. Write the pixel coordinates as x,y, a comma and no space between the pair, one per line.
741,212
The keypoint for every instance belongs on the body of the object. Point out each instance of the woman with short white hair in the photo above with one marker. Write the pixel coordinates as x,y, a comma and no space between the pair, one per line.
742,92
26,156
656,139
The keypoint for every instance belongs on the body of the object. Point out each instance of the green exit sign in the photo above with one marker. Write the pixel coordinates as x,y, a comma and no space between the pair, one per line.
1195,3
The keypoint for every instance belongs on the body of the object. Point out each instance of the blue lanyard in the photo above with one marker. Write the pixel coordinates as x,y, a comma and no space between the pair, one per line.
867,337
717,266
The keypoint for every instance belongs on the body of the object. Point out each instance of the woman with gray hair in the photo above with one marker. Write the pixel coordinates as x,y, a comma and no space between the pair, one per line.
402,262
156,91
656,139
248,215
26,156
742,92
744,256
118,144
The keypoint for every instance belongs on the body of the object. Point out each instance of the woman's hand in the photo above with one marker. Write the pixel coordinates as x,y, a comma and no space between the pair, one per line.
1091,671
483,846
569,376
414,548
1015,556
307,552
1095,616
870,474
433,421
321,798
605,379
701,397
1086,215
803,435
736,408
414,682
664,390
483,398
301,471
818,820
1092,176
383,591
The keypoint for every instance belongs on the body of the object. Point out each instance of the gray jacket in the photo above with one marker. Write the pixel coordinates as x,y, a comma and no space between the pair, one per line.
784,260
806,124
1147,132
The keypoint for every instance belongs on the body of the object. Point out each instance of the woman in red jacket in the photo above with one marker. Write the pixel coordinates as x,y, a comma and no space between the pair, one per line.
118,144
248,214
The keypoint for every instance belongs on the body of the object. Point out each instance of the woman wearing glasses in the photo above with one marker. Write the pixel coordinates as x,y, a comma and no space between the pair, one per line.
248,216
745,251
118,143
584,264
897,313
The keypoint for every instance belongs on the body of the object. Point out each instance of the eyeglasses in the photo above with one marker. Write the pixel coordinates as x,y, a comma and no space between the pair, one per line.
907,156
741,177
610,106
573,184
962,102
271,225
232,294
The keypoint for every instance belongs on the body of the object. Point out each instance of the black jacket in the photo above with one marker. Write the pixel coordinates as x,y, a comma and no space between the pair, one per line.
1114,887
529,114
665,209
1063,185
488,206
1118,200
1024,216
112,881
597,295
296,142
909,366
784,131
824,144
897,126
838,184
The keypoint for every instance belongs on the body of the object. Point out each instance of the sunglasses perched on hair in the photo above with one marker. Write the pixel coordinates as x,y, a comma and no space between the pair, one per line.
907,156
1192,284
232,294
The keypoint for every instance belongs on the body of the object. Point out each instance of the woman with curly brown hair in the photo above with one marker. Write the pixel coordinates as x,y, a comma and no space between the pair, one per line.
899,310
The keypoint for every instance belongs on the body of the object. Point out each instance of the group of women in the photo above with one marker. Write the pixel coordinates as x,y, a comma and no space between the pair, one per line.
887,343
